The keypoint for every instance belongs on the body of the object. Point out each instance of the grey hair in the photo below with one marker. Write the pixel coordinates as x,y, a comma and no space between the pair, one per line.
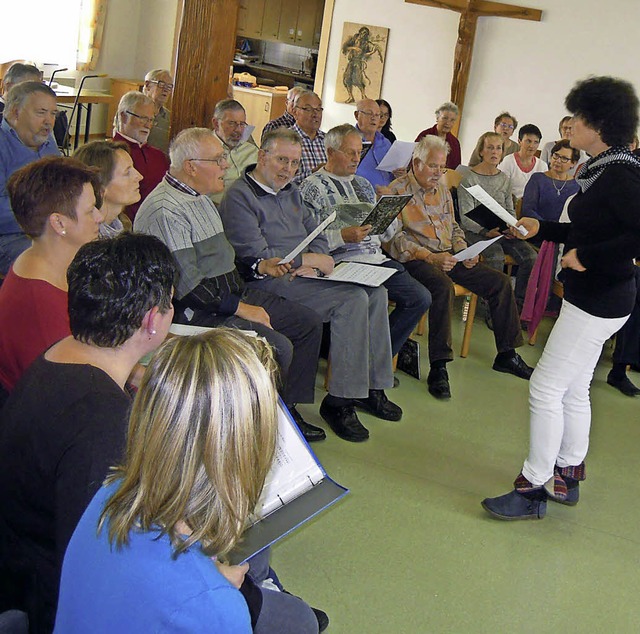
22,91
448,106
20,72
186,145
334,138
279,134
303,93
429,144
225,105
292,93
156,73
129,101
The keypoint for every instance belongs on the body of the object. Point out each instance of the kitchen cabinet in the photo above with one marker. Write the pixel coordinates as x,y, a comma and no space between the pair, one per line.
261,106
250,18
271,20
296,22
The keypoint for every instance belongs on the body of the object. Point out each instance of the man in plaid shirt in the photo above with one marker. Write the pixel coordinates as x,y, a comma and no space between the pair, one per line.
308,115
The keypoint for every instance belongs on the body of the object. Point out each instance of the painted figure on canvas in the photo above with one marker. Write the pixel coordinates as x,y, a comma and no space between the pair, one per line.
360,50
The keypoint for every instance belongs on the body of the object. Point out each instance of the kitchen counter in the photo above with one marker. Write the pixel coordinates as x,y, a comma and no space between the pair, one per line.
279,74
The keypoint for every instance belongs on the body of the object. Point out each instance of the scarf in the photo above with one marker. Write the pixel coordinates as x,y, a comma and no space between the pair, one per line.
595,166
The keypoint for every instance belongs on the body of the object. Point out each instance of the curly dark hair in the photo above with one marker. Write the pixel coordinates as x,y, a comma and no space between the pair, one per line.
113,283
608,105
51,184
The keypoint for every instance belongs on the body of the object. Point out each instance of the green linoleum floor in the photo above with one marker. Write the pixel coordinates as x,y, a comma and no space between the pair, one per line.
410,550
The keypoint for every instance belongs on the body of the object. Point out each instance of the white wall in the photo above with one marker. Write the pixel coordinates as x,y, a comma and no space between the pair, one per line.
521,66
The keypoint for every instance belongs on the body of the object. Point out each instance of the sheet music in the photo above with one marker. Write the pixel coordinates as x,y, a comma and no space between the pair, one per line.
397,157
474,249
309,239
490,203
357,273
246,133
294,471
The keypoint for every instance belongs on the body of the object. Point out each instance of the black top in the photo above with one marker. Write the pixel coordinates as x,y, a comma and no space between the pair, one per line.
61,429
605,230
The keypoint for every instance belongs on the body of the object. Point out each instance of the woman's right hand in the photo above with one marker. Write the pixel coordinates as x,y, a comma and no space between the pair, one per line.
531,225
233,574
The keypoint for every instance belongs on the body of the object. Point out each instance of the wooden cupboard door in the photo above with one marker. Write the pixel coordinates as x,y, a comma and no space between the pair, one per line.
255,14
243,17
288,21
306,25
318,26
271,20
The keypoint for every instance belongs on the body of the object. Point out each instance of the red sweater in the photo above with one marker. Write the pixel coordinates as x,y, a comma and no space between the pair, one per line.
33,316
454,158
151,163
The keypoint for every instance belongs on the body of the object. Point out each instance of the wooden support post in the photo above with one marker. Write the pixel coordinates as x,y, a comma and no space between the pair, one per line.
206,45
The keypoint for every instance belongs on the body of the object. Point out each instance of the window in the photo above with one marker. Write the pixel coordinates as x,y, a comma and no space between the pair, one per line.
41,31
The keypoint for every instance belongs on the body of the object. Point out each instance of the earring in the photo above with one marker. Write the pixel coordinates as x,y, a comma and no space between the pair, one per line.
64,232
153,332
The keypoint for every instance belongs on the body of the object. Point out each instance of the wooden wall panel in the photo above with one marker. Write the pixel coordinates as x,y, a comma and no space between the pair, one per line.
206,44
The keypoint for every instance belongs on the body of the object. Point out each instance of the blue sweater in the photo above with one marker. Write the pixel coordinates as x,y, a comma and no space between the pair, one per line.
14,154
140,588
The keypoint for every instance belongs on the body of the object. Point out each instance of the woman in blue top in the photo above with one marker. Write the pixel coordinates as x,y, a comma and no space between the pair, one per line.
546,192
202,433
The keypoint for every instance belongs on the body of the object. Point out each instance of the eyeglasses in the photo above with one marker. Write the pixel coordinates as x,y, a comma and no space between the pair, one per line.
219,160
353,155
507,126
384,115
371,115
558,157
437,168
161,84
283,161
310,109
147,120
236,124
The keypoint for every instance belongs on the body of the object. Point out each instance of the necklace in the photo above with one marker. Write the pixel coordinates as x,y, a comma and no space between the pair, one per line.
553,182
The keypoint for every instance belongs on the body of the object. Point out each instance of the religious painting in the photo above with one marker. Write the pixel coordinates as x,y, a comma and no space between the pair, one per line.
362,56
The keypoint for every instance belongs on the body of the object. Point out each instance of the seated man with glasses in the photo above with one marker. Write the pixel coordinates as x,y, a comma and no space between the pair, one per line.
504,125
158,85
427,236
209,290
335,187
229,123
286,120
265,219
307,112
133,123
375,144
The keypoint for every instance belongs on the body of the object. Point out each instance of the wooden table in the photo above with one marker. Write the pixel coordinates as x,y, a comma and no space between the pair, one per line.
87,98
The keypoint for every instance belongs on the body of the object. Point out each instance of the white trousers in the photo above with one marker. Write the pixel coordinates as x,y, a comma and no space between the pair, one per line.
559,404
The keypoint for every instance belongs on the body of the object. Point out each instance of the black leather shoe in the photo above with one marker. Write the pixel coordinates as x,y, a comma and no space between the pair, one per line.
514,365
623,384
438,383
322,618
311,433
379,405
344,422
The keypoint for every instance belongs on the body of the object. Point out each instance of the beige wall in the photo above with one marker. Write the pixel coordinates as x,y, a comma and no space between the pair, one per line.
525,67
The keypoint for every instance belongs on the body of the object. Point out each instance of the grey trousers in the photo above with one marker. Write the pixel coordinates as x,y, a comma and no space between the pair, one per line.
360,342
